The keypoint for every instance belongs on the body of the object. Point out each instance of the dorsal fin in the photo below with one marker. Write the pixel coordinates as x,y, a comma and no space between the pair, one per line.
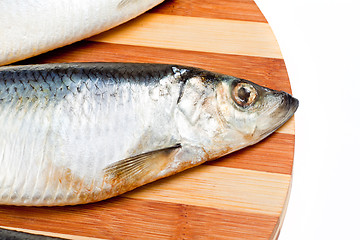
139,166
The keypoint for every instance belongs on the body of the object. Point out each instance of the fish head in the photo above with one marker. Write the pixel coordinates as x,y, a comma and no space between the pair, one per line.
251,112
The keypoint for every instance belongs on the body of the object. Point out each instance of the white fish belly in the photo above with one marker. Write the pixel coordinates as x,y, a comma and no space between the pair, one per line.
32,27
53,152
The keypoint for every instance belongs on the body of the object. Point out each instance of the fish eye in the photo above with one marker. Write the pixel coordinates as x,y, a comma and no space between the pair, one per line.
244,94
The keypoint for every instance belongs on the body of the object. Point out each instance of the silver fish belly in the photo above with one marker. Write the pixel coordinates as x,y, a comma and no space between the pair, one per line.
32,27
82,132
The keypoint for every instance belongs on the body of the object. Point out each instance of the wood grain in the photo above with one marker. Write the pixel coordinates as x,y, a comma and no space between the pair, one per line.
195,33
244,10
270,155
208,186
143,219
240,196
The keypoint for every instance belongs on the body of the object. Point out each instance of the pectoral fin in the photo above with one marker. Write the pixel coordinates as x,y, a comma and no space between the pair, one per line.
143,165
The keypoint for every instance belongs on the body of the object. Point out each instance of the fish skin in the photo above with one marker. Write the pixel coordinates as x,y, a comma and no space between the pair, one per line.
83,132
14,234
31,27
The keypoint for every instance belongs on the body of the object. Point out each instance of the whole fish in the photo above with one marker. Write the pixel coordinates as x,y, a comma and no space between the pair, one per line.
31,27
82,132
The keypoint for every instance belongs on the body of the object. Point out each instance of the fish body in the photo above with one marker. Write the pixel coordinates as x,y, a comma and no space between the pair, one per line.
32,27
83,132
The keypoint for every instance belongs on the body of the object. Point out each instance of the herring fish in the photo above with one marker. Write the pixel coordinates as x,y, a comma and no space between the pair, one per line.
32,27
75,133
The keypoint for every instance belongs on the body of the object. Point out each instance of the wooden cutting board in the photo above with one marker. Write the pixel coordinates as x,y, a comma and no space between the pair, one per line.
241,196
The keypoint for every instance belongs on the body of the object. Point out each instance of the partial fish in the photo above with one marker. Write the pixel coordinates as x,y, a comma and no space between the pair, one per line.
31,27
83,132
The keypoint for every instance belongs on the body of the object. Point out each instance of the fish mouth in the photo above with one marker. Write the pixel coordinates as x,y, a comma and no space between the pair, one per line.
291,104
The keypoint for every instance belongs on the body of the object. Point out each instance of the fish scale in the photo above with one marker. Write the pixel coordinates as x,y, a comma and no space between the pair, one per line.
75,133
81,113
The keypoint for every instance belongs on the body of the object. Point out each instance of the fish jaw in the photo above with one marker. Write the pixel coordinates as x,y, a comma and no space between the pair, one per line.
32,27
286,109
245,126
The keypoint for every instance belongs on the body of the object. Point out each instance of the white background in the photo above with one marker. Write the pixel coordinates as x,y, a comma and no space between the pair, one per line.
320,43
